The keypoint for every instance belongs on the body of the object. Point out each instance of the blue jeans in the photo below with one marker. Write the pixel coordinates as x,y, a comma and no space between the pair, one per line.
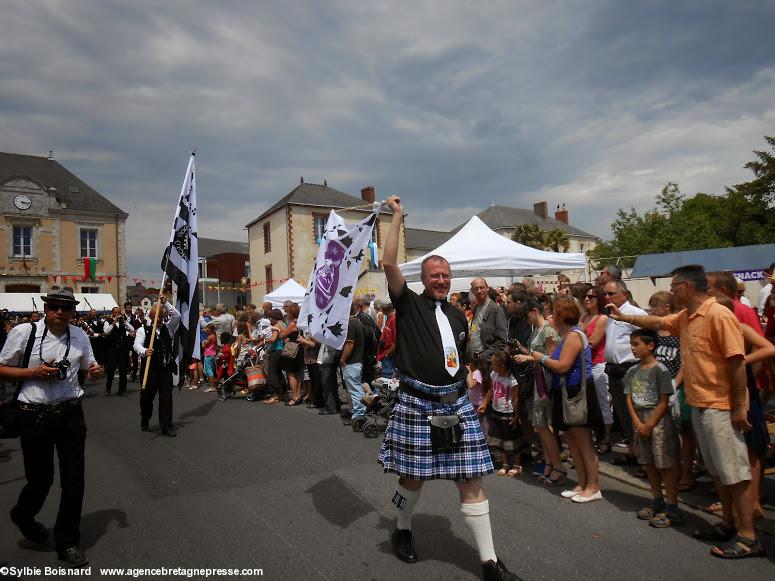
351,374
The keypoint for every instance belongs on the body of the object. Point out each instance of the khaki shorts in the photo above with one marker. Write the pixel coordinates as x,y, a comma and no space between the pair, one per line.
722,447
659,448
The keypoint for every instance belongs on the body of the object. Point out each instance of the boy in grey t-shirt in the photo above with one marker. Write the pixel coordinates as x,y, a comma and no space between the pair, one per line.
648,387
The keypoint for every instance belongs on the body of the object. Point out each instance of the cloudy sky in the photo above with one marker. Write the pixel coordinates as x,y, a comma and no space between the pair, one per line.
453,105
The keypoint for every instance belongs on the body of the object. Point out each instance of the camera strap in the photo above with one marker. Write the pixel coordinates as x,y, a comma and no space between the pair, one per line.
40,347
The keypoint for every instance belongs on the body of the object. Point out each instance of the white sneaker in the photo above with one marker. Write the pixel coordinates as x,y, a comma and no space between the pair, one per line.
582,499
569,493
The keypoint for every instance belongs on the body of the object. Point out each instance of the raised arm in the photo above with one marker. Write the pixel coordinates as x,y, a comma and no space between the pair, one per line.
394,277
643,321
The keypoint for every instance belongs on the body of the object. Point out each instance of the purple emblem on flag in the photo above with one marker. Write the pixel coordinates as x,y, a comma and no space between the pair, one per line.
327,276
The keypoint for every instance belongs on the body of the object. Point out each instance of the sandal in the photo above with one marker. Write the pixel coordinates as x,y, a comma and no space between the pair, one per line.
292,402
271,400
738,548
649,512
515,472
718,532
549,481
504,470
603,448
665,520
714,507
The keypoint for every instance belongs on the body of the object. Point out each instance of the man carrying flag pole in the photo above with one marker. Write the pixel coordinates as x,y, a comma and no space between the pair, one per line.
179,336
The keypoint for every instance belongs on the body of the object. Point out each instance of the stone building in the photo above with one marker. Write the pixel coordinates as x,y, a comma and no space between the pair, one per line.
283,240
50,220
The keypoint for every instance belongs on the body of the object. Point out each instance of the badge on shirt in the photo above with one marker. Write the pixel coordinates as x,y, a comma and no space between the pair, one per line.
461,336
450,356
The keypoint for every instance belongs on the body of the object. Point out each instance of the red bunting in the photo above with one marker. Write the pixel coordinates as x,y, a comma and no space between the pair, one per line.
110,279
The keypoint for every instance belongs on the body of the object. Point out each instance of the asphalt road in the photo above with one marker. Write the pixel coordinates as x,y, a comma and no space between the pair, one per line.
245,485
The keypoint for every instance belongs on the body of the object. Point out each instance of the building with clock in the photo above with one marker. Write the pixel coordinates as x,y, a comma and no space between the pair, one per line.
50,221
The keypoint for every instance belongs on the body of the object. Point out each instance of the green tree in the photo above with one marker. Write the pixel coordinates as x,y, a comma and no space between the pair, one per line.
532,235
742,215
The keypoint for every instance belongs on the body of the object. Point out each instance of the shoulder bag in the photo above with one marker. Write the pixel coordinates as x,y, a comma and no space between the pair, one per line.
290,349
574,409
9,410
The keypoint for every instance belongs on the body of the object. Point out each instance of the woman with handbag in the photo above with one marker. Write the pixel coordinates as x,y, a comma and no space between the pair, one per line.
292,361
575,408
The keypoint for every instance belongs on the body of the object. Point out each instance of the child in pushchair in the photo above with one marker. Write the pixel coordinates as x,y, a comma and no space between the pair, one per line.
380,398
248,378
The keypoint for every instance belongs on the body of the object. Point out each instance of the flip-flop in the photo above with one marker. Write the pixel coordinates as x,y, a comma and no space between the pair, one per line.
714,507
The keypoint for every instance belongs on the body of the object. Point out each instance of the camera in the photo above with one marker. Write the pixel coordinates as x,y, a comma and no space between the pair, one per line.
62,366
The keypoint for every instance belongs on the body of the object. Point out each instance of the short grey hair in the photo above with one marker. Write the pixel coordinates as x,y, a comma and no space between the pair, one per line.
615,272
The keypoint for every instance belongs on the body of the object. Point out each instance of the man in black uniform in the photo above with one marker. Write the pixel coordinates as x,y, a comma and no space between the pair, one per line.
134,321
119,335
162,364
94,329
434,432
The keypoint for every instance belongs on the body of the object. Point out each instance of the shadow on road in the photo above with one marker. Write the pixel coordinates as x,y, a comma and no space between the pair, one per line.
95,525
331,496
199,411
5,453
435,541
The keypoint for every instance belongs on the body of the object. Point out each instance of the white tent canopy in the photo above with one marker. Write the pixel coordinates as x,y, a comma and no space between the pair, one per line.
28,302
290,290
478,251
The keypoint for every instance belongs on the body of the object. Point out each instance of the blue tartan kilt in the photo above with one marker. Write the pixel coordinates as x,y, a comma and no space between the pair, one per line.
406,449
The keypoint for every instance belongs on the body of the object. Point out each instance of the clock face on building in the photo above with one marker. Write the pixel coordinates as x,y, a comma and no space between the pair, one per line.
22,202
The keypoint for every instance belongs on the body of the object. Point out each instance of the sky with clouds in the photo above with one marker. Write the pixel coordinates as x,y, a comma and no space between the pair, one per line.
452,105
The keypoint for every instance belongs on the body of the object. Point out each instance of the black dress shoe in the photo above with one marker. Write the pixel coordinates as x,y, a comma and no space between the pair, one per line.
403,545
496,571
169,433
73,556
144,426
30,528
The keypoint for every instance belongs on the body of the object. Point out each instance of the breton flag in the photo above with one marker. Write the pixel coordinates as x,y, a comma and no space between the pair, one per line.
180,264
325,310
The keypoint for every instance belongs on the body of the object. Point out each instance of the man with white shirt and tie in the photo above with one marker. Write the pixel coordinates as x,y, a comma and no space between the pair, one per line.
434,432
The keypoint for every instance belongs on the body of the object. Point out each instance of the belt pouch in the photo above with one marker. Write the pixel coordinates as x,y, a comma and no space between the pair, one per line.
446,433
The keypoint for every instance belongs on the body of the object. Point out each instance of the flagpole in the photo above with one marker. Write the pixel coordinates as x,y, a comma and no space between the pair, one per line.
153,330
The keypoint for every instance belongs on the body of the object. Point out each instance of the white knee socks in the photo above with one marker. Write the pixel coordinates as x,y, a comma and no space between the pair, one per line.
404,501
477,517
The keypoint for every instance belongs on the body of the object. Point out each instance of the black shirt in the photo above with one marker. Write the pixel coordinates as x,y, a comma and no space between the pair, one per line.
355,334
520,329
419,351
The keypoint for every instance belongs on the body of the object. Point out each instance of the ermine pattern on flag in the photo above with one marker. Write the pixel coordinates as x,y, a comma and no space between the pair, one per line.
325,310
180,264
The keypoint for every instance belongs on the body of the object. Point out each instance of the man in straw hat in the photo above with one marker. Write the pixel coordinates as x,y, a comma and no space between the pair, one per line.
50,416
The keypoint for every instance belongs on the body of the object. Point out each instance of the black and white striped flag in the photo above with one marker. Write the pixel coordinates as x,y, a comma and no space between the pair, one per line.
180,263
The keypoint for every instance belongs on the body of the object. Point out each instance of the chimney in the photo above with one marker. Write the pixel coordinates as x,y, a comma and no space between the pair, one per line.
541,210
561,215
368,194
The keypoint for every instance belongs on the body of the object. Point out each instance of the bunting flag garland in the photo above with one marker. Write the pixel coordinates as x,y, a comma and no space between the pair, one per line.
180,263
89,269
325,310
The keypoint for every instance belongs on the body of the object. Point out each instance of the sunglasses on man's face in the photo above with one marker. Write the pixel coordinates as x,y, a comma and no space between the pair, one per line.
610,293
60,307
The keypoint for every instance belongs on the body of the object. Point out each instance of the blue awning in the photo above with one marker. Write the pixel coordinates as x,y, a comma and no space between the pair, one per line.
737,259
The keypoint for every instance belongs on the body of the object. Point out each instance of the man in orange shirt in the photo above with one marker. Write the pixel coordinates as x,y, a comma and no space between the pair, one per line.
712,359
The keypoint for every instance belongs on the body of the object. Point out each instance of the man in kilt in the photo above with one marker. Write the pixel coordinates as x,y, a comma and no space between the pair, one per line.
434,432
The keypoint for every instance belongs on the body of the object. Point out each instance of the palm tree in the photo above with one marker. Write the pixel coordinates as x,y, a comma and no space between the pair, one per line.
529,235
556,240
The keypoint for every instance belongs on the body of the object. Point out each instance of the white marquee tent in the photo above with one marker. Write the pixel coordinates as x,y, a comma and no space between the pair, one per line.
28,302
476,250
290,290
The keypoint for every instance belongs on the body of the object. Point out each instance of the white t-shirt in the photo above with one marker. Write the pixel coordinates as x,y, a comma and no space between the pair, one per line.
617,336
39,390
501,393
763,296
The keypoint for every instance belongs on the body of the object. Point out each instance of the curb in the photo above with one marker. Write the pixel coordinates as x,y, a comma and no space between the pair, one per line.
767,526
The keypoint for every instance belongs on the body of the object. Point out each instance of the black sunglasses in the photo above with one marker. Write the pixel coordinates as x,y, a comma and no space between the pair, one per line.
60,307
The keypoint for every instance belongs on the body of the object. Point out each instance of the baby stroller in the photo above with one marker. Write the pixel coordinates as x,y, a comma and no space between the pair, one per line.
247,380
379,407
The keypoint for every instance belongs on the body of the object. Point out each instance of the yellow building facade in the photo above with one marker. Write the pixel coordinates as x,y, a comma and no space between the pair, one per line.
50,220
